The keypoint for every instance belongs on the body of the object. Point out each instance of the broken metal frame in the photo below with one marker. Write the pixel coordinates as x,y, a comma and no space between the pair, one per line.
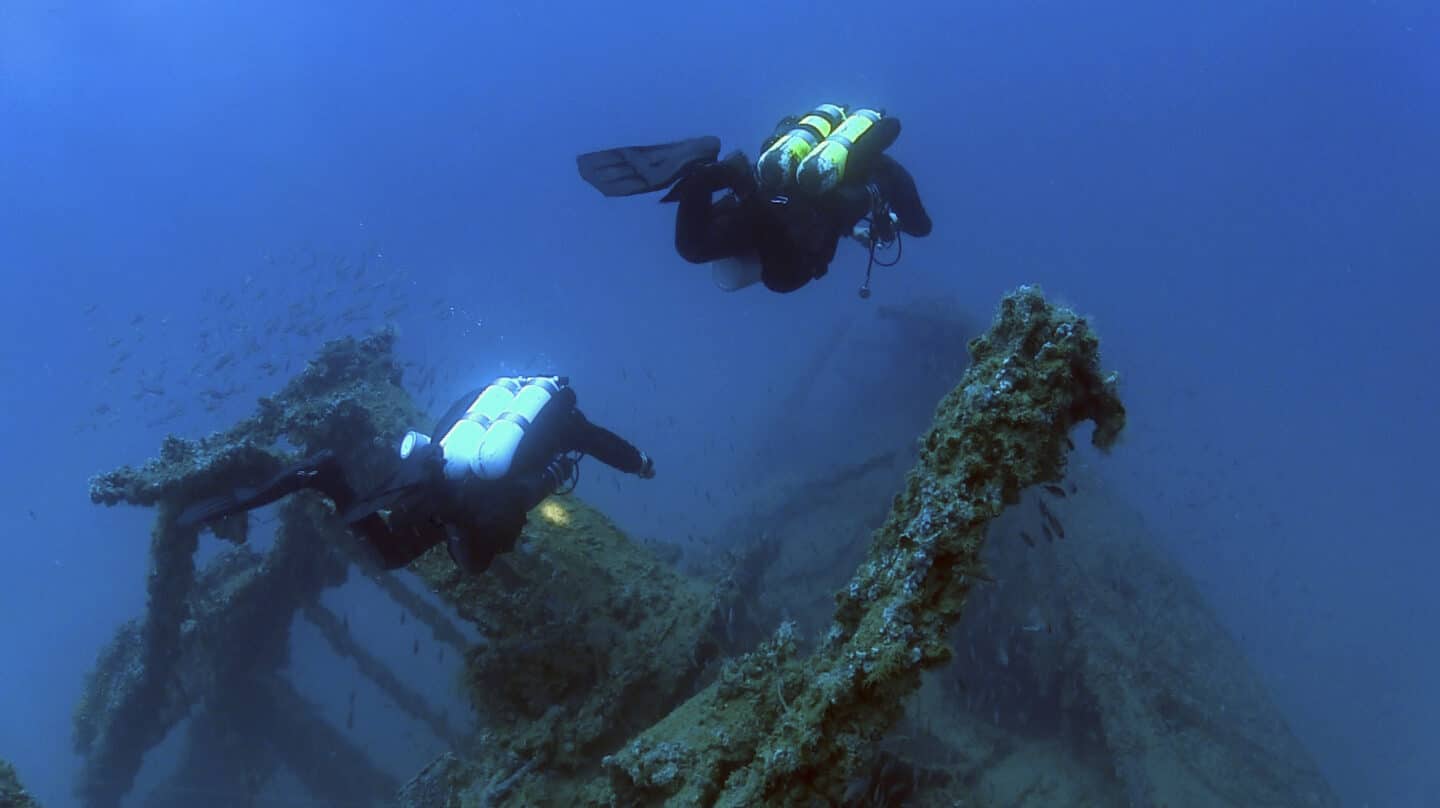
206,639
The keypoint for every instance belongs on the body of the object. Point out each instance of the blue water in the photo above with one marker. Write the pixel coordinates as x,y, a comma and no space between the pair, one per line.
1242,194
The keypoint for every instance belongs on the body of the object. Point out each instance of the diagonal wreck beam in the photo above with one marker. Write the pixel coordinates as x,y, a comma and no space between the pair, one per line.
137,692
242,736
441,627
779,729
333,629
333,770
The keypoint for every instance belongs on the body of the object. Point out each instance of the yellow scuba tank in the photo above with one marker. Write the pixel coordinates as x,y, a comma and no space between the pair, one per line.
824,167
777,164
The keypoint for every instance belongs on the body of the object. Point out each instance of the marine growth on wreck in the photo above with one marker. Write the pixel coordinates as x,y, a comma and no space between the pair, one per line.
12,794
605,675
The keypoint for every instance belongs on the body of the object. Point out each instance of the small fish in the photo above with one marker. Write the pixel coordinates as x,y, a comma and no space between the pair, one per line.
31,511
416,652
1049,535
402,617
1029,540
350,718
1054,490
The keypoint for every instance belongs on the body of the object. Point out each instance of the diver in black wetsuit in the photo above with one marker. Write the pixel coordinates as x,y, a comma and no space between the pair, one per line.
819,178
501,450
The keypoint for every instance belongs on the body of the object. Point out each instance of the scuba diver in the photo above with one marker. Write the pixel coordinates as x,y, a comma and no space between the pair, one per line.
819,177
501,450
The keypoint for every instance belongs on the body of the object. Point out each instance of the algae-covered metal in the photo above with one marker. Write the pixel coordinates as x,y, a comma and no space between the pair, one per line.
12,794
779,728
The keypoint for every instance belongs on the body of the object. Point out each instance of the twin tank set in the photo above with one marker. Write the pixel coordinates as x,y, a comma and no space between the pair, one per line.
813,155
483,441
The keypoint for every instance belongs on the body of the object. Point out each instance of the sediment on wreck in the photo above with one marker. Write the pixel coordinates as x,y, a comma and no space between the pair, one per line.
779,728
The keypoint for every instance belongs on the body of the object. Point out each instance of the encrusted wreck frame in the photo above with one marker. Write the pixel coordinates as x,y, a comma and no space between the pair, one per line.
596,683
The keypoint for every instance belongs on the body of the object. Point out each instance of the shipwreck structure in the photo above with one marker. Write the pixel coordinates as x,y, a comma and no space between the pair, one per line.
12,794
600,674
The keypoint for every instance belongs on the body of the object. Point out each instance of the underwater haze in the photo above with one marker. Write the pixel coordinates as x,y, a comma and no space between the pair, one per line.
1243,196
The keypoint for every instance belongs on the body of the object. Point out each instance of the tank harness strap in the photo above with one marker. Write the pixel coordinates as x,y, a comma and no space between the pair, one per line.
515,418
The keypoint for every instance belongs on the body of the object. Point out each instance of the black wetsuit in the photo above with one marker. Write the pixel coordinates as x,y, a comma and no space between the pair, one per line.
794,237
482,518
417,507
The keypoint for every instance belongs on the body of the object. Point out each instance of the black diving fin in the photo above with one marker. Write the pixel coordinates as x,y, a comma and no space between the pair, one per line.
631,170
320,472
207,510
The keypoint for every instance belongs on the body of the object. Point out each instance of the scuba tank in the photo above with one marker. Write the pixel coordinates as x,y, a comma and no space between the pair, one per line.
777,163
824,167
483,441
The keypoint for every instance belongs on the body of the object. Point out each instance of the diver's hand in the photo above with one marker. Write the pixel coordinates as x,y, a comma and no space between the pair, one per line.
882,228
647,467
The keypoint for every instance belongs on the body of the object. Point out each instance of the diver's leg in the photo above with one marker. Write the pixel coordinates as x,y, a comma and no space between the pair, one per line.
396,546
786,278
474,547
707,231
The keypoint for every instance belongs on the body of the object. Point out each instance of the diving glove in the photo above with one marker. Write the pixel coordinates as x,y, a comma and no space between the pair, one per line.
881,232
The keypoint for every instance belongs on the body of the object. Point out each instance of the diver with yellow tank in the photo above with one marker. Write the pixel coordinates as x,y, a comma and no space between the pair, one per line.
820,177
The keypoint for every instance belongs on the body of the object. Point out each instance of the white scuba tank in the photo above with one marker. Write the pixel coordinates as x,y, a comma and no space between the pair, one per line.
462,443
483,442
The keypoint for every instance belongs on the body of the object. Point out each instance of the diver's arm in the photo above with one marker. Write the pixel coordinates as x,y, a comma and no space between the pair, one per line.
847,205
898,188
607,447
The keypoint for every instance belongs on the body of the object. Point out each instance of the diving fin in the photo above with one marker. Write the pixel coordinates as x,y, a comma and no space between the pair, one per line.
207,510
320,472
631,170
